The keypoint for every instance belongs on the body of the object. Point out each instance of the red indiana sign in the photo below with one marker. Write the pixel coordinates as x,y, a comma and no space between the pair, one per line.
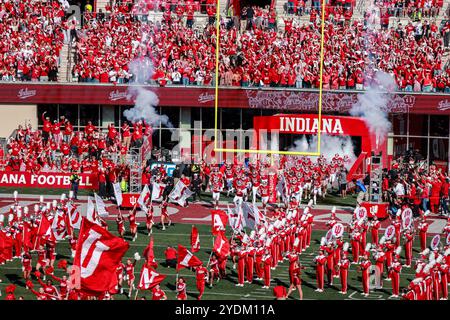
46,180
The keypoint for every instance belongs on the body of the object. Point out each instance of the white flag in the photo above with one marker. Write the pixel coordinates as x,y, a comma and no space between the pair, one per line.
249,215
157,191
90,211
74,216
143,198
180,193
235,218
59,225
118,193
101,208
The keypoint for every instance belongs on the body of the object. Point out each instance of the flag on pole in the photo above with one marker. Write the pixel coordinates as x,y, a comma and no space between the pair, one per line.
149,278
74,216
186,259
180,193
157,191
219,221
221,246
59,225
143,198
250,215
195,240
90,214
118,193
101,207
45,230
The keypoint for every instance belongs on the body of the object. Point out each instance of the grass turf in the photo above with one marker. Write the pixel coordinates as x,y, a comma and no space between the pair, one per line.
225,289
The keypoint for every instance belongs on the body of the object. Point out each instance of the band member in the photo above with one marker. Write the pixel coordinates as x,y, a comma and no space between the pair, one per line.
423,228
267,260
320,261
365,268
374,229
394,273
149,219
343,266
409,238
242,257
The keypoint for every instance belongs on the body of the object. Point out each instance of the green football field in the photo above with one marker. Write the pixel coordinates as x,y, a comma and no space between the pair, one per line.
225,289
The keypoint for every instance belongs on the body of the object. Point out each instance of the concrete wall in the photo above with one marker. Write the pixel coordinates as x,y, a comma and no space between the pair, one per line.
13,115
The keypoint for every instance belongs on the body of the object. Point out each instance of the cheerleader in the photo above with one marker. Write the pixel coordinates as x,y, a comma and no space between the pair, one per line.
133,224
149,219
165,215
26,265
213,269
181,289
129,272
120,225
296,280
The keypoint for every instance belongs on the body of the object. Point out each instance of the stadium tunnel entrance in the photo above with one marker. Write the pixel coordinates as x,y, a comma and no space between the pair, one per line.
286,129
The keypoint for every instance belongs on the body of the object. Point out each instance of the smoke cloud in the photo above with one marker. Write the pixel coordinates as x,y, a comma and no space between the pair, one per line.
371,105
329,146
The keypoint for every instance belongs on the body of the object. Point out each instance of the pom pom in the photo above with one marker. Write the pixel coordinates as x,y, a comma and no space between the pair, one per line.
29,284
49,270
333,210
345,247
323,241
10,289
137,257
15,194
37,274
62,264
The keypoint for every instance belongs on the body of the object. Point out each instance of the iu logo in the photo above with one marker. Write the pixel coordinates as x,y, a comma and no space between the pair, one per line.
374,210
133,200
90,253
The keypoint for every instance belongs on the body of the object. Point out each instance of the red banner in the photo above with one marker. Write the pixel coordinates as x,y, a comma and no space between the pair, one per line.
374,208
278,99
46,180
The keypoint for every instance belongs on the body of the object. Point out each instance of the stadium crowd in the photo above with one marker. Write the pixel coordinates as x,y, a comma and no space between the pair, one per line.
260,56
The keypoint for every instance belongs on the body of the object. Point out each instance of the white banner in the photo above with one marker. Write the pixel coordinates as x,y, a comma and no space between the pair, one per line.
180,193
59,225
74,216
143,198
251,216
157,191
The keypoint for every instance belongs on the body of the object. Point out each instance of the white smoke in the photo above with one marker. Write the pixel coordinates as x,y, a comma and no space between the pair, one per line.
329,147
145,100
371,106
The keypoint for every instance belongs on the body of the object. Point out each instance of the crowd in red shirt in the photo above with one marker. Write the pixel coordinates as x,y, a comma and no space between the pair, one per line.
31,37
262,57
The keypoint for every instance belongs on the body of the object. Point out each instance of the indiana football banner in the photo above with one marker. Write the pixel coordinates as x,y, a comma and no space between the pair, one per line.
101,207
195,240
221,246
180,193
143,198
186,259
117,193
219,221
157,191
149,278
97,255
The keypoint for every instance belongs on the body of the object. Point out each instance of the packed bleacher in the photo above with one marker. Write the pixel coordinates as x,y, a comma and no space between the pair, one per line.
31,38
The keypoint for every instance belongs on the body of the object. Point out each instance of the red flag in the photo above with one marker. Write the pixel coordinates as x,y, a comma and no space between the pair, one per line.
27,237
149,255
221,246
45,229
195,240
219,221
97,256
149,278
186,259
